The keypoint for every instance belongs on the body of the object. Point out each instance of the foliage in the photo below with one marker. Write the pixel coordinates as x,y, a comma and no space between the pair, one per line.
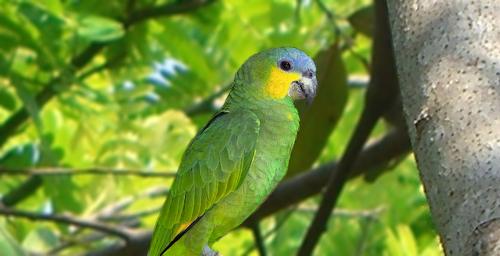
99,90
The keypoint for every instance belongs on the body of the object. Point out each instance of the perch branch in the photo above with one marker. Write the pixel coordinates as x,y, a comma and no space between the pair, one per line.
51,171
290,192
121,232
393,145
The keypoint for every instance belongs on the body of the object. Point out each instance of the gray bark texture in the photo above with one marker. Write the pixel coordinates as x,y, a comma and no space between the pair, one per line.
448,60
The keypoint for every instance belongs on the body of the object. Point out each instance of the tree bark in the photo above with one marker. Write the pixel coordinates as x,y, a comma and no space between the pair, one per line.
448,56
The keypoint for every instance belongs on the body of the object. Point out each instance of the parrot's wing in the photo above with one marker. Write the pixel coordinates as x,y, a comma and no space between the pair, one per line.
214,165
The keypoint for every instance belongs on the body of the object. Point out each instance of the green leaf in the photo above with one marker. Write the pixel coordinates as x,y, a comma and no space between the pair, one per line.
27,96
40,240
62,191
318,120
7,42
8,245
363,20
401,244
54,6
100,29
7,100
48,24
20,156
407,240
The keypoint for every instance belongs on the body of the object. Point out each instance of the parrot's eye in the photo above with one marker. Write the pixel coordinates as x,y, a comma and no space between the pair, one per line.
285,65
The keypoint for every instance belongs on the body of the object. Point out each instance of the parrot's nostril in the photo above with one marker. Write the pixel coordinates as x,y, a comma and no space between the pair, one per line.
308,74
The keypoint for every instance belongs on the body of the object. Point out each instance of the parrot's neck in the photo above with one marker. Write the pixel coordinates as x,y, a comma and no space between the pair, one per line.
280,111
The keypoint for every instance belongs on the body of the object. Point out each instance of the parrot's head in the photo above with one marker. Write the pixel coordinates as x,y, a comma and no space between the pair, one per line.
280,72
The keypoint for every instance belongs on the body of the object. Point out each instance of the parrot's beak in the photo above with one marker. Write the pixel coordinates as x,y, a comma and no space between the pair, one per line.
304,88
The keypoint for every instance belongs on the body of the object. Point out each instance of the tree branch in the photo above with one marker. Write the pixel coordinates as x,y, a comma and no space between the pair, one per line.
329,14
109,213
381,95
131,217
121,232
280,222
346,213
51,171
168,9
122,204
294,190
393,145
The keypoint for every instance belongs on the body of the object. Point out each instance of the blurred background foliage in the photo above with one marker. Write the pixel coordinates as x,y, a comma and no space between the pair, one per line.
122,85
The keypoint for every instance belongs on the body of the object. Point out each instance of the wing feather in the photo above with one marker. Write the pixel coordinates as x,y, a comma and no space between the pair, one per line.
214,165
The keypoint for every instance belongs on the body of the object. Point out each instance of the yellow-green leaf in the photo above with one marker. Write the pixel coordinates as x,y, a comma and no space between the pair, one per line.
100,29
318,120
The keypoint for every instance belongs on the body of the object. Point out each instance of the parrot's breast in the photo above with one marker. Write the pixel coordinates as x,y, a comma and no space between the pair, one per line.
276,138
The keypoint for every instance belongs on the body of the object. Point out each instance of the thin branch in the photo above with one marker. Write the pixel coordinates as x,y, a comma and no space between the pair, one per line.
137,246
280,223
259,241
132,216
364,234
346,213
337,180
121,204
269,233
56,171
298,7
129,7
324,8
72,239
110,213
121,232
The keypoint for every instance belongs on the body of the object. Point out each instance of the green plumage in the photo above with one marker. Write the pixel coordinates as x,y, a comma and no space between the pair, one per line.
196,189
234,162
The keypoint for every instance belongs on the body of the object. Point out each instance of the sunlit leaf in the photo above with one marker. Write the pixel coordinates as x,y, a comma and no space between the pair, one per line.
8,245
40,239
100,29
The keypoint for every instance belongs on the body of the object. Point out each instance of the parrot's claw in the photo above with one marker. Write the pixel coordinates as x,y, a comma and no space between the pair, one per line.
207,251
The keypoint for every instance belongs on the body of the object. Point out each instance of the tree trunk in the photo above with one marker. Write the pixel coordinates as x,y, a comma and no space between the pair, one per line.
448,60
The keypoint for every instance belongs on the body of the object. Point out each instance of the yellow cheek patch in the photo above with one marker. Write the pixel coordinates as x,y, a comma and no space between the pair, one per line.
278,82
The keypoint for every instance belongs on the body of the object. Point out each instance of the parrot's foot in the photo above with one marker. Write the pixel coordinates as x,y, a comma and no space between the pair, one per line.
207,251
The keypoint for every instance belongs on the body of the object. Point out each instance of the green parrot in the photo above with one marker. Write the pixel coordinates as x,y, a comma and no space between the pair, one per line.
239,157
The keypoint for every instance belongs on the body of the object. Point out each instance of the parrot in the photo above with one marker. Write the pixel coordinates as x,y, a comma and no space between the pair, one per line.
237,159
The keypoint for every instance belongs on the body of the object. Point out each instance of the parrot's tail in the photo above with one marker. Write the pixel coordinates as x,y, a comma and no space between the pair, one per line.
182,233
